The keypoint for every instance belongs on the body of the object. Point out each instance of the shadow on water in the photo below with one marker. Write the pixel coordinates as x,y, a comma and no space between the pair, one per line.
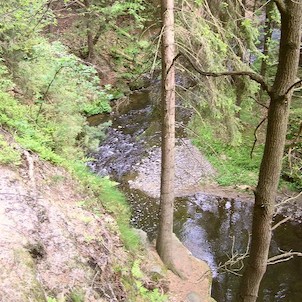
207,225
210,227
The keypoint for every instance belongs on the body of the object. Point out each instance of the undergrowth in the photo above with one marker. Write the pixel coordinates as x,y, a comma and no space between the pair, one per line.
49,118
234,164
8,154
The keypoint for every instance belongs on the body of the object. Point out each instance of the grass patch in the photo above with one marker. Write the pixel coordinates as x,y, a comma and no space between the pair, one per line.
110,197
233,163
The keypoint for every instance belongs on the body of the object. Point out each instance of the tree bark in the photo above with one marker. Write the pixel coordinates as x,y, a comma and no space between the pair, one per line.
270,169
90,42
165,229
267,37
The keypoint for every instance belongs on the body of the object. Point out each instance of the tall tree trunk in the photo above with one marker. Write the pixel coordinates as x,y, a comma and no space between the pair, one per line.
267,37
165,229
270,169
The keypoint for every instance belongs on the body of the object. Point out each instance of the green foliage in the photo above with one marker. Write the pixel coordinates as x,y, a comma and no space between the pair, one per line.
8,155
233,163
116,28
77,296
20,23
215,46
111,198
136,271
55,115
292,164
147,295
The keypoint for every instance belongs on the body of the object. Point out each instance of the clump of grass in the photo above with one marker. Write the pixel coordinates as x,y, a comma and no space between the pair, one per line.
113,200
8,155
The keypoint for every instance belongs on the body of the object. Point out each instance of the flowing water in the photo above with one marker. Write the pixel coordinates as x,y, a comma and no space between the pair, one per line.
211,228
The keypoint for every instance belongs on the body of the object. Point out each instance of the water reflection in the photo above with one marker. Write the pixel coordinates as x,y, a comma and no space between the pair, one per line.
211,227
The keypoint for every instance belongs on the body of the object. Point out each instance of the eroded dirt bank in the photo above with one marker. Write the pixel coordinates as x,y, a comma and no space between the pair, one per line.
50,246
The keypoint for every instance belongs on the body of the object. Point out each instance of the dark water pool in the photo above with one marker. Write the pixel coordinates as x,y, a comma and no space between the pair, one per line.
211,227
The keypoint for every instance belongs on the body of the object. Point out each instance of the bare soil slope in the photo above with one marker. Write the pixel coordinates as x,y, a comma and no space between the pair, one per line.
50,246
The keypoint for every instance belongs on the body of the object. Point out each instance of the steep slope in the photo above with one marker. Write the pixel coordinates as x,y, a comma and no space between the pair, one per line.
50,245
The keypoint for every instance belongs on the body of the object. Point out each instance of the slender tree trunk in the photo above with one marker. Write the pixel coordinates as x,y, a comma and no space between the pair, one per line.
267,37
270,169
165,229
90,42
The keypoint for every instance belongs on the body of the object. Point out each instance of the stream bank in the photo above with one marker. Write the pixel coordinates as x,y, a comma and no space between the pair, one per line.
211,225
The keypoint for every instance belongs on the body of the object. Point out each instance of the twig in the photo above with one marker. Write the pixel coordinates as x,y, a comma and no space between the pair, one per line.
280,222
92,285
255,135
285,256
157,50
252,75
47,90
288,200
293,86
259,103
234,259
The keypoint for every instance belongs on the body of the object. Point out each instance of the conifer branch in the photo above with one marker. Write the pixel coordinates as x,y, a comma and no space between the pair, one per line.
252,75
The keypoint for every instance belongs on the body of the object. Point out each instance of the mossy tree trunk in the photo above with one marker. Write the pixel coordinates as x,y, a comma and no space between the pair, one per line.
165,229
270,169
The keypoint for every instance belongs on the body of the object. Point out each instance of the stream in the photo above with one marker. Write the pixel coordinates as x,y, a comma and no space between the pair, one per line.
211,227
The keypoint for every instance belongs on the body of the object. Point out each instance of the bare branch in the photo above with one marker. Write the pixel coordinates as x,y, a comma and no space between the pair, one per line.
252,75
255,135
263,105
295,85
285,256
234,259
288,200
280,260
280,222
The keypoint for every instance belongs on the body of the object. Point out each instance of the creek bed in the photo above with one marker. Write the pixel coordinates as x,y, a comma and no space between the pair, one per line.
210,227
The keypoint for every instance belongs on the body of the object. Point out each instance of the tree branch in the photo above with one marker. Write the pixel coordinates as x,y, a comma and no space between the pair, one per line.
285,256
259,103
297,84
281,6
252,75
288,200
255,135
280,222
